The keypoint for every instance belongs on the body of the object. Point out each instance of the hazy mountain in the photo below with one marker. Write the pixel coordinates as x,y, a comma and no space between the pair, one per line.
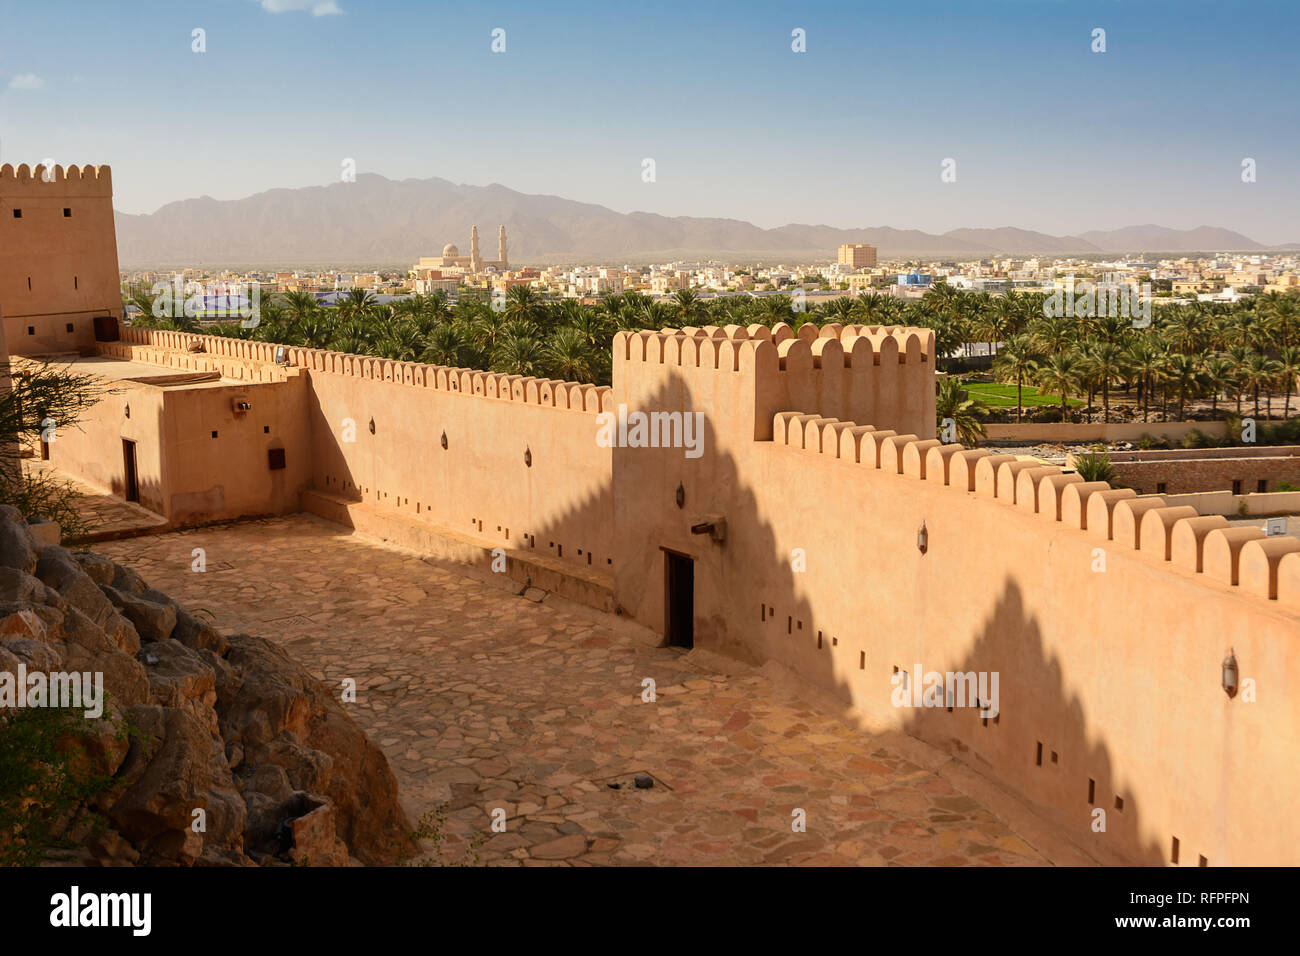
1163,239
378,221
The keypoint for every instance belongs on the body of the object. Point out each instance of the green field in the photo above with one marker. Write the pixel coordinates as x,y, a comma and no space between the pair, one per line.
995,395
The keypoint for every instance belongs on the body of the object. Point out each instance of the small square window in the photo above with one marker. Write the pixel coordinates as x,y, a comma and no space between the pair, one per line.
266,429
214,434
18,214
67,213
1160,487
31,330
275,458
70,327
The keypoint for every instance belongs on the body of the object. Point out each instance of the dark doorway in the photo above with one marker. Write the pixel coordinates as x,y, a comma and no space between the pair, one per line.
106,329
679,599
128,459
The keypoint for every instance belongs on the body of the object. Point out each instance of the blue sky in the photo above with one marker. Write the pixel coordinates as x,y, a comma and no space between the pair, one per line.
1046,134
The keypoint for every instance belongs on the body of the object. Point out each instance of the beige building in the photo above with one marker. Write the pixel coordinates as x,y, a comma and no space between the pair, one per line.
858,255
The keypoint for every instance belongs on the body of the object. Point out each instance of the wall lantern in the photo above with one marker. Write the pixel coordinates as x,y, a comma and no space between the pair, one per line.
444,441
1230,674
681,495
922,538
372,426
528,457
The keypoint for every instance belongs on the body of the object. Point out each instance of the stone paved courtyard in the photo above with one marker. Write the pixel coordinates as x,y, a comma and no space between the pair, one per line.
483,699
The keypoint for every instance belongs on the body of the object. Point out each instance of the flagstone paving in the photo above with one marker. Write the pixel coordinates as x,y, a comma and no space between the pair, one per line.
485,701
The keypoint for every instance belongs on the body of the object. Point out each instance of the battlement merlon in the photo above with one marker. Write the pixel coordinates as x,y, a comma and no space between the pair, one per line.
881,374
73,181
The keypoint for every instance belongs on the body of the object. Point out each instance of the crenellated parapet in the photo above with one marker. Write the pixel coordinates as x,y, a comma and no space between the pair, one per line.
874,373
153,344
80,181
1158,528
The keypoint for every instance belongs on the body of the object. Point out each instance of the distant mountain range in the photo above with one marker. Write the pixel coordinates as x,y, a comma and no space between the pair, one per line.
377,221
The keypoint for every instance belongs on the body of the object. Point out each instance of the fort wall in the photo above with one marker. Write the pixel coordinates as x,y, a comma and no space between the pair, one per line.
1110,695
521,468
58,257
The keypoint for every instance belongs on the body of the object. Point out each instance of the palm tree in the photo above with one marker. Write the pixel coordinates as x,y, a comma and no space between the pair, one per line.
1259,372
1219,377
1285,313
1238,355
1105,361
1052,335
954,402
688,305
1289,370
518,355
447,345
300,305
1183,372
569,356
1060,373
402,341
522,303
872,307
1016,362
1146,360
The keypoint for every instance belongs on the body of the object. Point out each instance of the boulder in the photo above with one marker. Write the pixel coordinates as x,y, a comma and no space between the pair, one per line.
222,751
18,549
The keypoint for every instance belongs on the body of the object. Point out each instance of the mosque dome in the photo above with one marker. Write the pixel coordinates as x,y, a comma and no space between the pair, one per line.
449,251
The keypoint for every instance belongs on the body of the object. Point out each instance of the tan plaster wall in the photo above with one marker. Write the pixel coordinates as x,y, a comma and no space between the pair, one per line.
479,486
184,473
71,262
1116,672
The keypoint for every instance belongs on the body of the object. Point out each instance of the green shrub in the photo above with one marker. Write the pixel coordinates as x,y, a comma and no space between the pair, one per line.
46,783
1095,466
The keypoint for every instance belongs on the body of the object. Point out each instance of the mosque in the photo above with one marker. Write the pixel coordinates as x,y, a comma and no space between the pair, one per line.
451,259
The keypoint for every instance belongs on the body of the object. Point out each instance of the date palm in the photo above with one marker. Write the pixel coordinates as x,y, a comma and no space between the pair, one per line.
518,355
1258,373
954,403
569,357
1288,360
1105,363
447,345
1219,377
687,302
1146,360
1183,374
1017,362
1059,372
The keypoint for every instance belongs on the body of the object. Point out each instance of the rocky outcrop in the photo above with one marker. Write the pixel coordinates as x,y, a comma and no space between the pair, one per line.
234,755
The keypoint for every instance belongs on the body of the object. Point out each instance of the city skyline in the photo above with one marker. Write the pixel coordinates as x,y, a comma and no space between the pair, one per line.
851,133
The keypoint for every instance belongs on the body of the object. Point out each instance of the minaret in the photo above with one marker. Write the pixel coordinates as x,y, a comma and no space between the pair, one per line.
475,260
501,248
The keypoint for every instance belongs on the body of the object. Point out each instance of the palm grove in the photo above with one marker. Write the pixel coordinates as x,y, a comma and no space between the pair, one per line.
1247,351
